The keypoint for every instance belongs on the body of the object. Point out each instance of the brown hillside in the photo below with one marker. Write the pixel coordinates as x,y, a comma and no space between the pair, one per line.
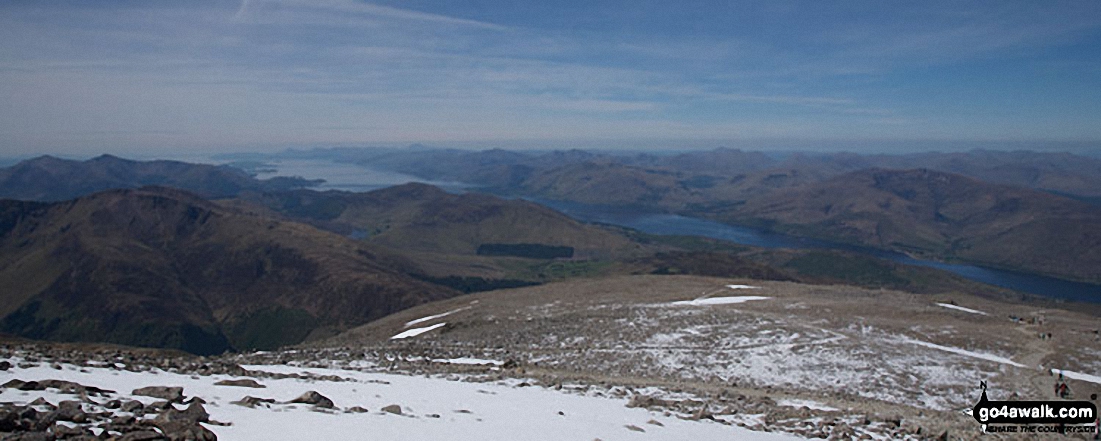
159,267
941,214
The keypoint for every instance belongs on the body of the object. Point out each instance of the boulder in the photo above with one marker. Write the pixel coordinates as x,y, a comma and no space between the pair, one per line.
195,413
393,408
185,431
251,401
42,402
314,398
71,411
132,406
66,432
172,394
244,382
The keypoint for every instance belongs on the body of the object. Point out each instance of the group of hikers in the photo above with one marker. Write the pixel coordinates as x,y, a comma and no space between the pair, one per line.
1061,388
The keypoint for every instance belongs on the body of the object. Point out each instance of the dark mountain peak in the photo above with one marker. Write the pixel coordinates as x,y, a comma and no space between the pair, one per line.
51,179
43,161
107,157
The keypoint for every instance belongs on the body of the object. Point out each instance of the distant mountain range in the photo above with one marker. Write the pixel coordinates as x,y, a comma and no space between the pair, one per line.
47,178
225,261
1063,173
1028,211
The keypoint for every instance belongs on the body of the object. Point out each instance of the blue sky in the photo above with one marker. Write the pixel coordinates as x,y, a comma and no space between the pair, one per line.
137,76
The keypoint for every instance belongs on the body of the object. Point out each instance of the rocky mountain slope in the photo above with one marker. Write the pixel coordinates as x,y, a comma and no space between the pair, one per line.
164,268
768,355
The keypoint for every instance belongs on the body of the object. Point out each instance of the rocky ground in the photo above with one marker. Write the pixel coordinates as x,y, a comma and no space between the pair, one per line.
853,361
807,361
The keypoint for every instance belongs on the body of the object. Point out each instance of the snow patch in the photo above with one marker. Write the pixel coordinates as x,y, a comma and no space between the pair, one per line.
964,352
742,287
960,308
433,317
416,331
717,301
433,408
467,360
1078,376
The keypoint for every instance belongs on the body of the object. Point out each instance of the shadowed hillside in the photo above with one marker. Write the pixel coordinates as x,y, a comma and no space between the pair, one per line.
160,267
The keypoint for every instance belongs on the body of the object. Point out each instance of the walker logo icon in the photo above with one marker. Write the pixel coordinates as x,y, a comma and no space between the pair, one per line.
1033,412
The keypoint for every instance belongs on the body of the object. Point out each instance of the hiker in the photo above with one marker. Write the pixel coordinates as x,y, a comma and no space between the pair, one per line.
1062,390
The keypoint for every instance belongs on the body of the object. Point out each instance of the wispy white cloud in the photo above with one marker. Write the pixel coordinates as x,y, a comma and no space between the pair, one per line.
328,12
278,70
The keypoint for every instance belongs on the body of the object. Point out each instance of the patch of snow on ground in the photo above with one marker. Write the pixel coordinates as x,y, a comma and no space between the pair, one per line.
433,317
467,360
964,352
432,408
416,331
1078,376
742,287
807,403
960,308
717,301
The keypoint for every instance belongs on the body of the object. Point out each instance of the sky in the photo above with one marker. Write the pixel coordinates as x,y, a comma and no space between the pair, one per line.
84,78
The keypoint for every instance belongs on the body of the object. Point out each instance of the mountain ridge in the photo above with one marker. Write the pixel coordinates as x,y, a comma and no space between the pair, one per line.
162,267
47,178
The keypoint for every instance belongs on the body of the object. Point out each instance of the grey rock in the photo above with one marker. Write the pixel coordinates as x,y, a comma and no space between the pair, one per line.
172,394
251,401
185,431
66,432
132,406
314,398
244,382
142,435
195,413
71,411
41,402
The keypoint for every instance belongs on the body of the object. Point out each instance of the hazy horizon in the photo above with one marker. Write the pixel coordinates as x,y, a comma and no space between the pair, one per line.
155,79
780,147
